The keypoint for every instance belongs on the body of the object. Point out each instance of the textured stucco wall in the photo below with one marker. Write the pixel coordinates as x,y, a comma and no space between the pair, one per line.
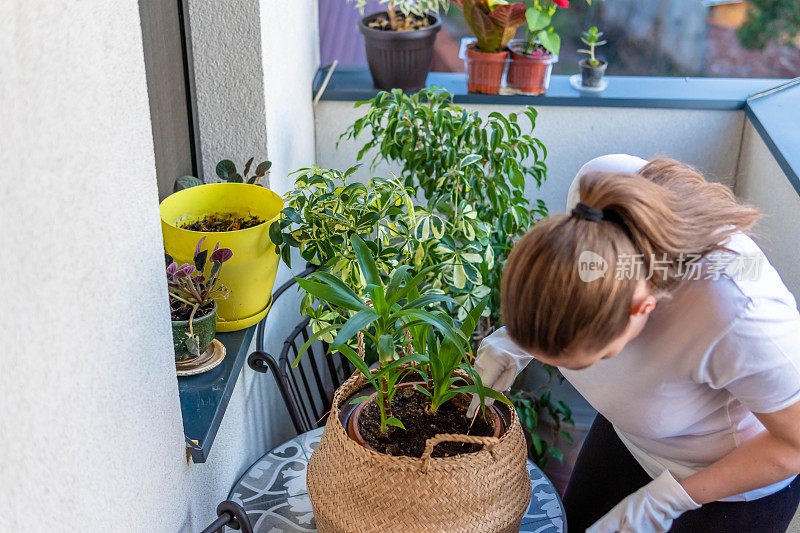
92,436
228,80
92,430
574,135
761,181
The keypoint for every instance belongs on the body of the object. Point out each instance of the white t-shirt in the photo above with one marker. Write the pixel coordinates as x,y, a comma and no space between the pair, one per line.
682,394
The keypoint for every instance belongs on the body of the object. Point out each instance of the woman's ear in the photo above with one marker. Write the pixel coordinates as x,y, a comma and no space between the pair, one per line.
645,306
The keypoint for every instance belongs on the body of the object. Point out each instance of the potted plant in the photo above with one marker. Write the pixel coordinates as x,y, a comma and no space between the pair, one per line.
592,69
493,23
532,59
419,463
192,300
399,41
236,212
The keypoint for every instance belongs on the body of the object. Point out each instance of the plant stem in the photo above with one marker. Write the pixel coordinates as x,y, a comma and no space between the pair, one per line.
384,404
191,319
393,22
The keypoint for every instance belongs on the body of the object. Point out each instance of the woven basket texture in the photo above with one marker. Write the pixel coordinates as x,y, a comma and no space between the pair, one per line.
353,489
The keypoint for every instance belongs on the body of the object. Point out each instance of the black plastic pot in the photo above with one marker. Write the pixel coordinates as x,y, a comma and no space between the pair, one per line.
399,59
592,76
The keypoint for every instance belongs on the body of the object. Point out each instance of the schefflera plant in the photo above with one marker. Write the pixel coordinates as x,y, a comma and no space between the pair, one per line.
471,172
190,287
386,314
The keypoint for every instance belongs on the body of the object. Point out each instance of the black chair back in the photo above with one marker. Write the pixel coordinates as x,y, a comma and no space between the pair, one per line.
308,388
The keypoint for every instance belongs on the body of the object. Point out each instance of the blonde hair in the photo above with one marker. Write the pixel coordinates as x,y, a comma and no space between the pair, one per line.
666,212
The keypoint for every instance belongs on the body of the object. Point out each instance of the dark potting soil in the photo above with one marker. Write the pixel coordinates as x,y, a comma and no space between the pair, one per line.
414,23
181,311
219,222
409,406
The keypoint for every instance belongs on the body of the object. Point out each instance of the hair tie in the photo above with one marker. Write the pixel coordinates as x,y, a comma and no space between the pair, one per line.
587,212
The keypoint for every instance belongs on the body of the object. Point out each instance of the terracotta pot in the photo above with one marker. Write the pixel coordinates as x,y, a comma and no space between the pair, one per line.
592,76
354,433
399,59
485,71
529,73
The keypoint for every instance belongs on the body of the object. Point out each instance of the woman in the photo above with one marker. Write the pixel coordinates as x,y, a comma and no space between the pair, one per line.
660,310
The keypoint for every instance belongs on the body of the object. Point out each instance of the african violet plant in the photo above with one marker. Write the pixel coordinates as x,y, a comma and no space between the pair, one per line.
471,173
226,171
390,312
190,289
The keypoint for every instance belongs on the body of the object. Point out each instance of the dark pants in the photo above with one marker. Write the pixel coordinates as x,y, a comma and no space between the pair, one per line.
606,472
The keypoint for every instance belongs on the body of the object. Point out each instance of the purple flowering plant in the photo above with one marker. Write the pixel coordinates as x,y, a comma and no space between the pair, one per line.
190,287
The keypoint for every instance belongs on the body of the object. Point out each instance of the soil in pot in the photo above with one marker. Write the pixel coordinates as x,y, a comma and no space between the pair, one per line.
181,311
413,22
218,222
485,70
410,406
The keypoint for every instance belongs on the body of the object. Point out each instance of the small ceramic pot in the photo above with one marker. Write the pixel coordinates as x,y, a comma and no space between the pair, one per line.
205,327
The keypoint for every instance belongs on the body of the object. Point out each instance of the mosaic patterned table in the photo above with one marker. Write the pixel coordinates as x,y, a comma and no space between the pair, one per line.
273,492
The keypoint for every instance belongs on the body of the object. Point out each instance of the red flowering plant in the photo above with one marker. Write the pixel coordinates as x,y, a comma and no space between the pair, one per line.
542,37
492,22
189,288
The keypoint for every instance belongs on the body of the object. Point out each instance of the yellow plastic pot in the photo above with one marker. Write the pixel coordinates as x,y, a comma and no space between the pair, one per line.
250,274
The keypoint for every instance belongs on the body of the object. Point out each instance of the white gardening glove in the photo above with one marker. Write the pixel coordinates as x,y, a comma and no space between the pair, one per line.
650,509
498,362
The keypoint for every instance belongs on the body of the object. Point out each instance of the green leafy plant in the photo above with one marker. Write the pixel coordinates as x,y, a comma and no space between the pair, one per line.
387,314
492,22
530,407
420,8
470,173
770,20
226,171
592,38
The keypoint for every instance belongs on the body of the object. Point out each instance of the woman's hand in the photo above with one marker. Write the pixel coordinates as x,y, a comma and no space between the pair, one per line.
498,362
650,509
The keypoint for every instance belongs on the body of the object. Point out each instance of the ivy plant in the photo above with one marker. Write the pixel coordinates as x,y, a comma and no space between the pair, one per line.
471,174
530,407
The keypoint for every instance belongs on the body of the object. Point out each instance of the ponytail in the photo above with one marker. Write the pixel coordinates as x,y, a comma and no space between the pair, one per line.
665,213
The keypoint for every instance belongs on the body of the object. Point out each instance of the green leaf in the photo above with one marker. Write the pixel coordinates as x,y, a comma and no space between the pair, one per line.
392,421
333,295
318,335
275,234
358,322
360,399
263,168
357,362
365,260
551,41
186,182
537,20
470,159
225,169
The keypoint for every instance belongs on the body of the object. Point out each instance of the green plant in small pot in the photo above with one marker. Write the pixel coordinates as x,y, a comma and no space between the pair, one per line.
412,423
493,23
192,297
532,59
592,69
399,41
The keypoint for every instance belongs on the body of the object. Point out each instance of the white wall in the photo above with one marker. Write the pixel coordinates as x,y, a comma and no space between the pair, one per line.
762,182
92,436
574,135
92,430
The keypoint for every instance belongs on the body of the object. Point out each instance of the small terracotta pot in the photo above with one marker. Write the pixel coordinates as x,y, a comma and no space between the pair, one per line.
528,73
485,71
354,433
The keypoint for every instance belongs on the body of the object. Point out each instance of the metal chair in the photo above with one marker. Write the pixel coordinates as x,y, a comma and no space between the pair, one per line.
308,388
230,514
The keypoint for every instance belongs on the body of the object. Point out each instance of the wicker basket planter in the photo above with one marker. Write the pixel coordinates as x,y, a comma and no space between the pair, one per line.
353,489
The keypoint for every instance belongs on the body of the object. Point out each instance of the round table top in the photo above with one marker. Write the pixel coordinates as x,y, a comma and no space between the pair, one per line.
273,492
